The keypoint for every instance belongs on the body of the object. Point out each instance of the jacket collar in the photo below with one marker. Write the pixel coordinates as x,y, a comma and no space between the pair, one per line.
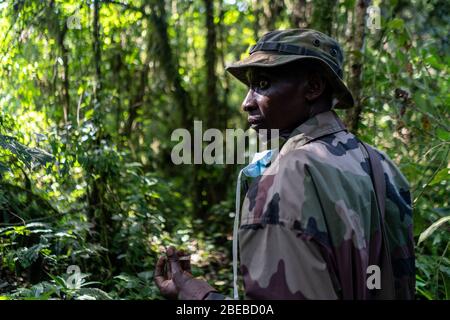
318,126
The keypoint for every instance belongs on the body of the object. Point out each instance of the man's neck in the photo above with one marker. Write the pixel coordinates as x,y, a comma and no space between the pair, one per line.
320,106
315,109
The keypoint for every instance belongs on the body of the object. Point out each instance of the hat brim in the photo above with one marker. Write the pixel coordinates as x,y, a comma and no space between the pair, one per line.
341,93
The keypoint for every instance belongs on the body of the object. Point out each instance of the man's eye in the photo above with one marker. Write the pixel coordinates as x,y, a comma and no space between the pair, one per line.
263,84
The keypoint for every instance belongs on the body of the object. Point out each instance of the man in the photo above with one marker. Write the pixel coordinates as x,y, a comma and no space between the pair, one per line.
330,217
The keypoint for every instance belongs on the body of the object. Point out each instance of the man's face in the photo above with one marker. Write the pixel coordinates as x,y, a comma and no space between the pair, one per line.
276,99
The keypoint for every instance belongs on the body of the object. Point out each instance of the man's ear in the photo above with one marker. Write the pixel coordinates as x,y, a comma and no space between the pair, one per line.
315,86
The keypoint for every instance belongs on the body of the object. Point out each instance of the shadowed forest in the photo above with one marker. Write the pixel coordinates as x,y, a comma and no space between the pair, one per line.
91,91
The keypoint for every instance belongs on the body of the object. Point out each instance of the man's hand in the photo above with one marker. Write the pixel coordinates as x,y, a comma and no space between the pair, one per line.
174,279
163,274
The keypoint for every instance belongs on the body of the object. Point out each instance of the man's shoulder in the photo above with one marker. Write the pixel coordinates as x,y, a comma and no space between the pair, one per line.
392,170
339,151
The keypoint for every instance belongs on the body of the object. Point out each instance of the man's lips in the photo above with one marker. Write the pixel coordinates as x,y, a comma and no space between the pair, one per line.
254,119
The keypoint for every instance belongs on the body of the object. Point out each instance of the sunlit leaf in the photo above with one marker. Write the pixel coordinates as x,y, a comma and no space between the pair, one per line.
431,229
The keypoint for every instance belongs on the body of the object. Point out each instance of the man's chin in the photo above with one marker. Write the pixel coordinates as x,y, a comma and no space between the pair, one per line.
258,126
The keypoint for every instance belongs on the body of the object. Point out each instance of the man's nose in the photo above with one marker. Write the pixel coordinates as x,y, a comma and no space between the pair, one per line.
249,102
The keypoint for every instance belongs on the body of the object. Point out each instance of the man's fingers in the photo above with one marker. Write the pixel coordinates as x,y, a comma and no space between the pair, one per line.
159,271
173,260
159,281
160,264
185,264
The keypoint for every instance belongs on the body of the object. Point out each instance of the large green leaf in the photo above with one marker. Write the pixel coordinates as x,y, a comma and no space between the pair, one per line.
429,231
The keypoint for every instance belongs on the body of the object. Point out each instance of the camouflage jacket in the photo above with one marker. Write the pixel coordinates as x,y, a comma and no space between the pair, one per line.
310,225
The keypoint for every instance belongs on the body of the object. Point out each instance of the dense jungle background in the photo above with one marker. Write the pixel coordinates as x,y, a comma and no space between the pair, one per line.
91,90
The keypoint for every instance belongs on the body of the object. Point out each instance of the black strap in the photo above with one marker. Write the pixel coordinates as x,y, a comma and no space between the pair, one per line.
387,291
294,49
377,178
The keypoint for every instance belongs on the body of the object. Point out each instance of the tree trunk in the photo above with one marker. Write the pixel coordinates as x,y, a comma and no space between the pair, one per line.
225,82
322,15
356,64
169,63
139,95
97,200
96,46
60,35
298,16
273,9
266,13
65,60
216,114
212,101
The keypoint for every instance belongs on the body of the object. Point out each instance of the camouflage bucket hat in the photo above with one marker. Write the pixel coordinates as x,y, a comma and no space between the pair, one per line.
281,47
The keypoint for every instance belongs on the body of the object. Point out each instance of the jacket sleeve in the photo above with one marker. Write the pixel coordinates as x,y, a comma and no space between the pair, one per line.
399,225
278,263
